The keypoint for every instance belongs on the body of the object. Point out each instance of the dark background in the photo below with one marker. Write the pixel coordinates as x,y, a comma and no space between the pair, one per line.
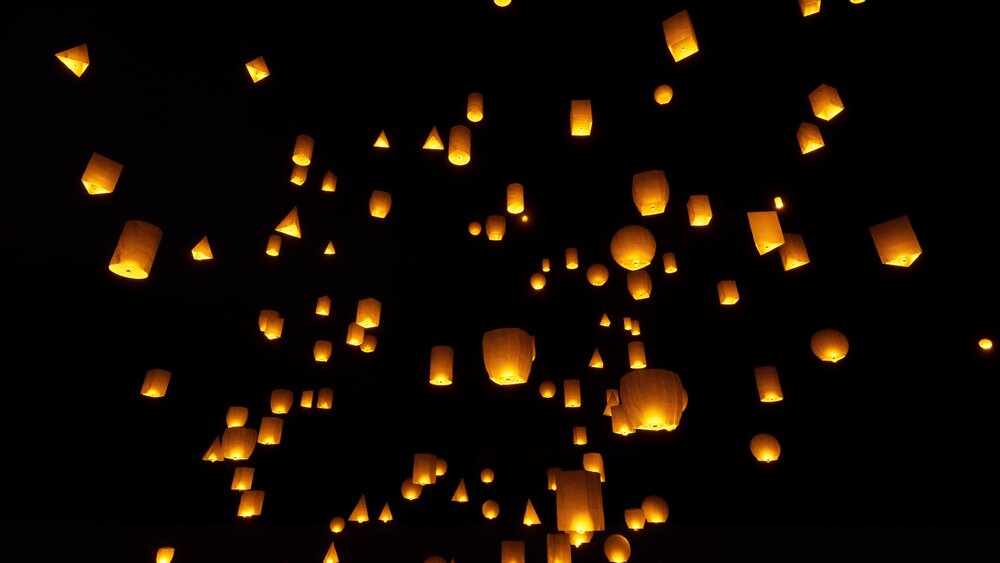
886,455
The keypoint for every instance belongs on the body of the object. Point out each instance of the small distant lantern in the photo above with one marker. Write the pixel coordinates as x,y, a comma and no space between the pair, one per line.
571,393
779,203
460,145
369,312
355,334
273,245
322,350
552,475
238,443
360,512
768,385
274,327
242,479
825,102
487,475
511,551
306,400
496,226
136,249
580,118
258,69
491,509
605,321
679,33
650,192
547,389
699,211
76,59
537,281
324,398
337,524
809,138
101,175
331,554
434,141
386,515
155,383
323,306
290,224
766,230
635,519
597,275
572,259
281,401
765,448
299,174
382,141
663,94
270,431
441,467
237,417
442,365
655,509
251,504
617,548
475,228
793,252
214,452
829,345
329,183
986,344
546,265
640,285
633,247
461,494
202,250
265,316
164,555
515,198
809,7
596,361
368,343
636,354
579,435
728,294
896,242
303,151
474,107
594,462
620,423
379,204
530,516
636,328
507,353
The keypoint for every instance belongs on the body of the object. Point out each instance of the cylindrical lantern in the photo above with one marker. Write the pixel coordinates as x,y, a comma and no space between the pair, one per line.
627,324
238,443
809,137
829,345
515,198
323,306
511,551
507,355
580,435
650,192
251,504
355,334
281,401
136,249
594,462
337,524
546,265
236,417
273,328
474,107
669,263
653,399
636,355
663,94
553,478
579,505
558,548
410,490
461,494
475,228
306,401
101,175
322,350
270,431
496,226
572,259
460,145
655,509
324,398
793,252
825,102
640,285
299,174
273,245
329,183
620,423
302,154
571,393
242,479
369,312
530,516
636,329
765,448
617,549
164,555
766,230
581,119
360,512
597,274
442,365
379,204
768,386
491,509
424,469
633,247
537,281
896,242
699,211
155,383
368,343
679,33
728,294
487,475
635,518
547,389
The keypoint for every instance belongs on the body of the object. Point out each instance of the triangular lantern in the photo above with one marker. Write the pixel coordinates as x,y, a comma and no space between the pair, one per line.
434,141
76,59
290,224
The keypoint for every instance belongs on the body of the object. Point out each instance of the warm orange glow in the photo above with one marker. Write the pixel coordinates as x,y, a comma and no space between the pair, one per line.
546,265
136,249
290,224
728,294
558,548
650,192
809,138
474,107
369,312
571,393
524,218
768,385
322,350
537,281
382,142
202,250
986,344
299,174
264,316
379,204
579,504
515,198
617,549
778,203
699,211
663,94
825,102
368,343
442,365
273,245
640,285
324,398
502,3
238,443
633,247
653,399
155,383
323,306
386,515
596,361
611,399
547,389
896,242
620,423
281,401
273,328
76,59
765,448
424,469
580,118
511,551
306,401
101,175
829,345
164,555
597,274
486,475
572,259
303,151
579,435
496,227
594,462
214,452
461,495
331,553
766,230
635,519
491,509
355,334
329,250
237,417
459,145
530,516
655,509
475,228
552,475
251,504
809,7
434,141
258,69
360,512
793,252
679,33
441,467
242,479
507,353
329,183
337,524
270,431
636,330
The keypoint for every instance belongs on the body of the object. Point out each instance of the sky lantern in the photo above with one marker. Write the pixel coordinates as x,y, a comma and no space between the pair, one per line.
491,509
324,398
596,361
650,192
636,354
620,423
355,334
331,554
303,151
825,102
475,228
640,285
299,174
386,515
597,274
424,469
496,227
76,59
281,401
511,551
896,242
440,467
636,328
663,94
765,448
360,512
290,224
461,494
337,524
579,435
530,516
434,141
633,247
766,230
155,383
237,417
258,69
264,316
551,475
322,350
382,141
306,400
653,399
507,355
809,137
202,250
728,294
793,252
251,504
611,399
655,509
546,265
459,145
238,443
368,343
768,385
379,204
594,462
101,175
487,475
136,249
323,305
809,7
442,365
329,182
699,211
369,312
985,344
274,327
164,555
270,431
273,245
605,320
571,393
580,118
214,452
474,107
558,548
617,548
679,33
547,389
829,345
242,479
537,281
515,198
579,504
635,519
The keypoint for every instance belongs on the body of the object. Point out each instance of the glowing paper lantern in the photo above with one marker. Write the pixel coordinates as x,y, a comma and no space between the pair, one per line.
491,509
360,512
251,504
766,230
323,306
303,151
633,247
571,393
379,204
265,316
270,431
381,142
214,452
475,228
617,549
650,192
579,435
655,509
424,469
546,266
580,118
809,7
324,398
640,285
442,365
594,462
515,198
474,107
627,323
299,174
635,519
164,555
238,443
809,138
386,515
986,344
507,355
605,321
76,59
496,226
355,334
579,505
369,311
274,327
636,329
611,399
273,245
155,383
290,224
242,479
825,102
331,554
460,145
793,252
679,33
441,467
765,448
620,423
281,401
368,343
552,475
728,294
461,495
636,355
337,524
653,399
558,548
530,516
829,345
779,203
699,211
101,175
597,274
547,389
306,401
237,417
434,142
487,475
329,183
322,350
136,249
502,3
896,242
511,551
258,69
663,94
202,250
768,385
596,361
537,281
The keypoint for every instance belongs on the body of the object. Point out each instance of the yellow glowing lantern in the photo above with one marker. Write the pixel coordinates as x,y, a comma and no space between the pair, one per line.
491,509
640,285
779,203
596,361
620,423
633,247
579,435
728,294
537,280
571,393
986,344
251,504
155,383
663,94
281,401
242,479
202,250
547,389
572,259
306,401
636,354
237,417
460,145
635,519
611,399
766,230
381,142
650,192
101,175
580,118
496,226
273,245
442,365
552,475
76,59
699,211
594,462
558,548
379,204
546,265
323,306
793,253
324,398
386,515
369,312
164,555
825,102
360,512
238,443
507,353
597,274
424,469
136,249
487,475
441,467
655,509
303,151
768,385
679,33
627,323
765,448
896,242
502,4
809,138
579,505
273,328
299,174
322,350
434,141
530,516
617,549
461,495
368,343
511,551
515,198
355,334
270,431
331,555
809,7
605,321
214,452
290,224
329,183
474,107
337,524
258,69
653,399
829,345
636,329
475,228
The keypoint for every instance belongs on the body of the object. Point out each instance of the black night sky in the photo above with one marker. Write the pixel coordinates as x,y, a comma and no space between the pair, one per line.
886,455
